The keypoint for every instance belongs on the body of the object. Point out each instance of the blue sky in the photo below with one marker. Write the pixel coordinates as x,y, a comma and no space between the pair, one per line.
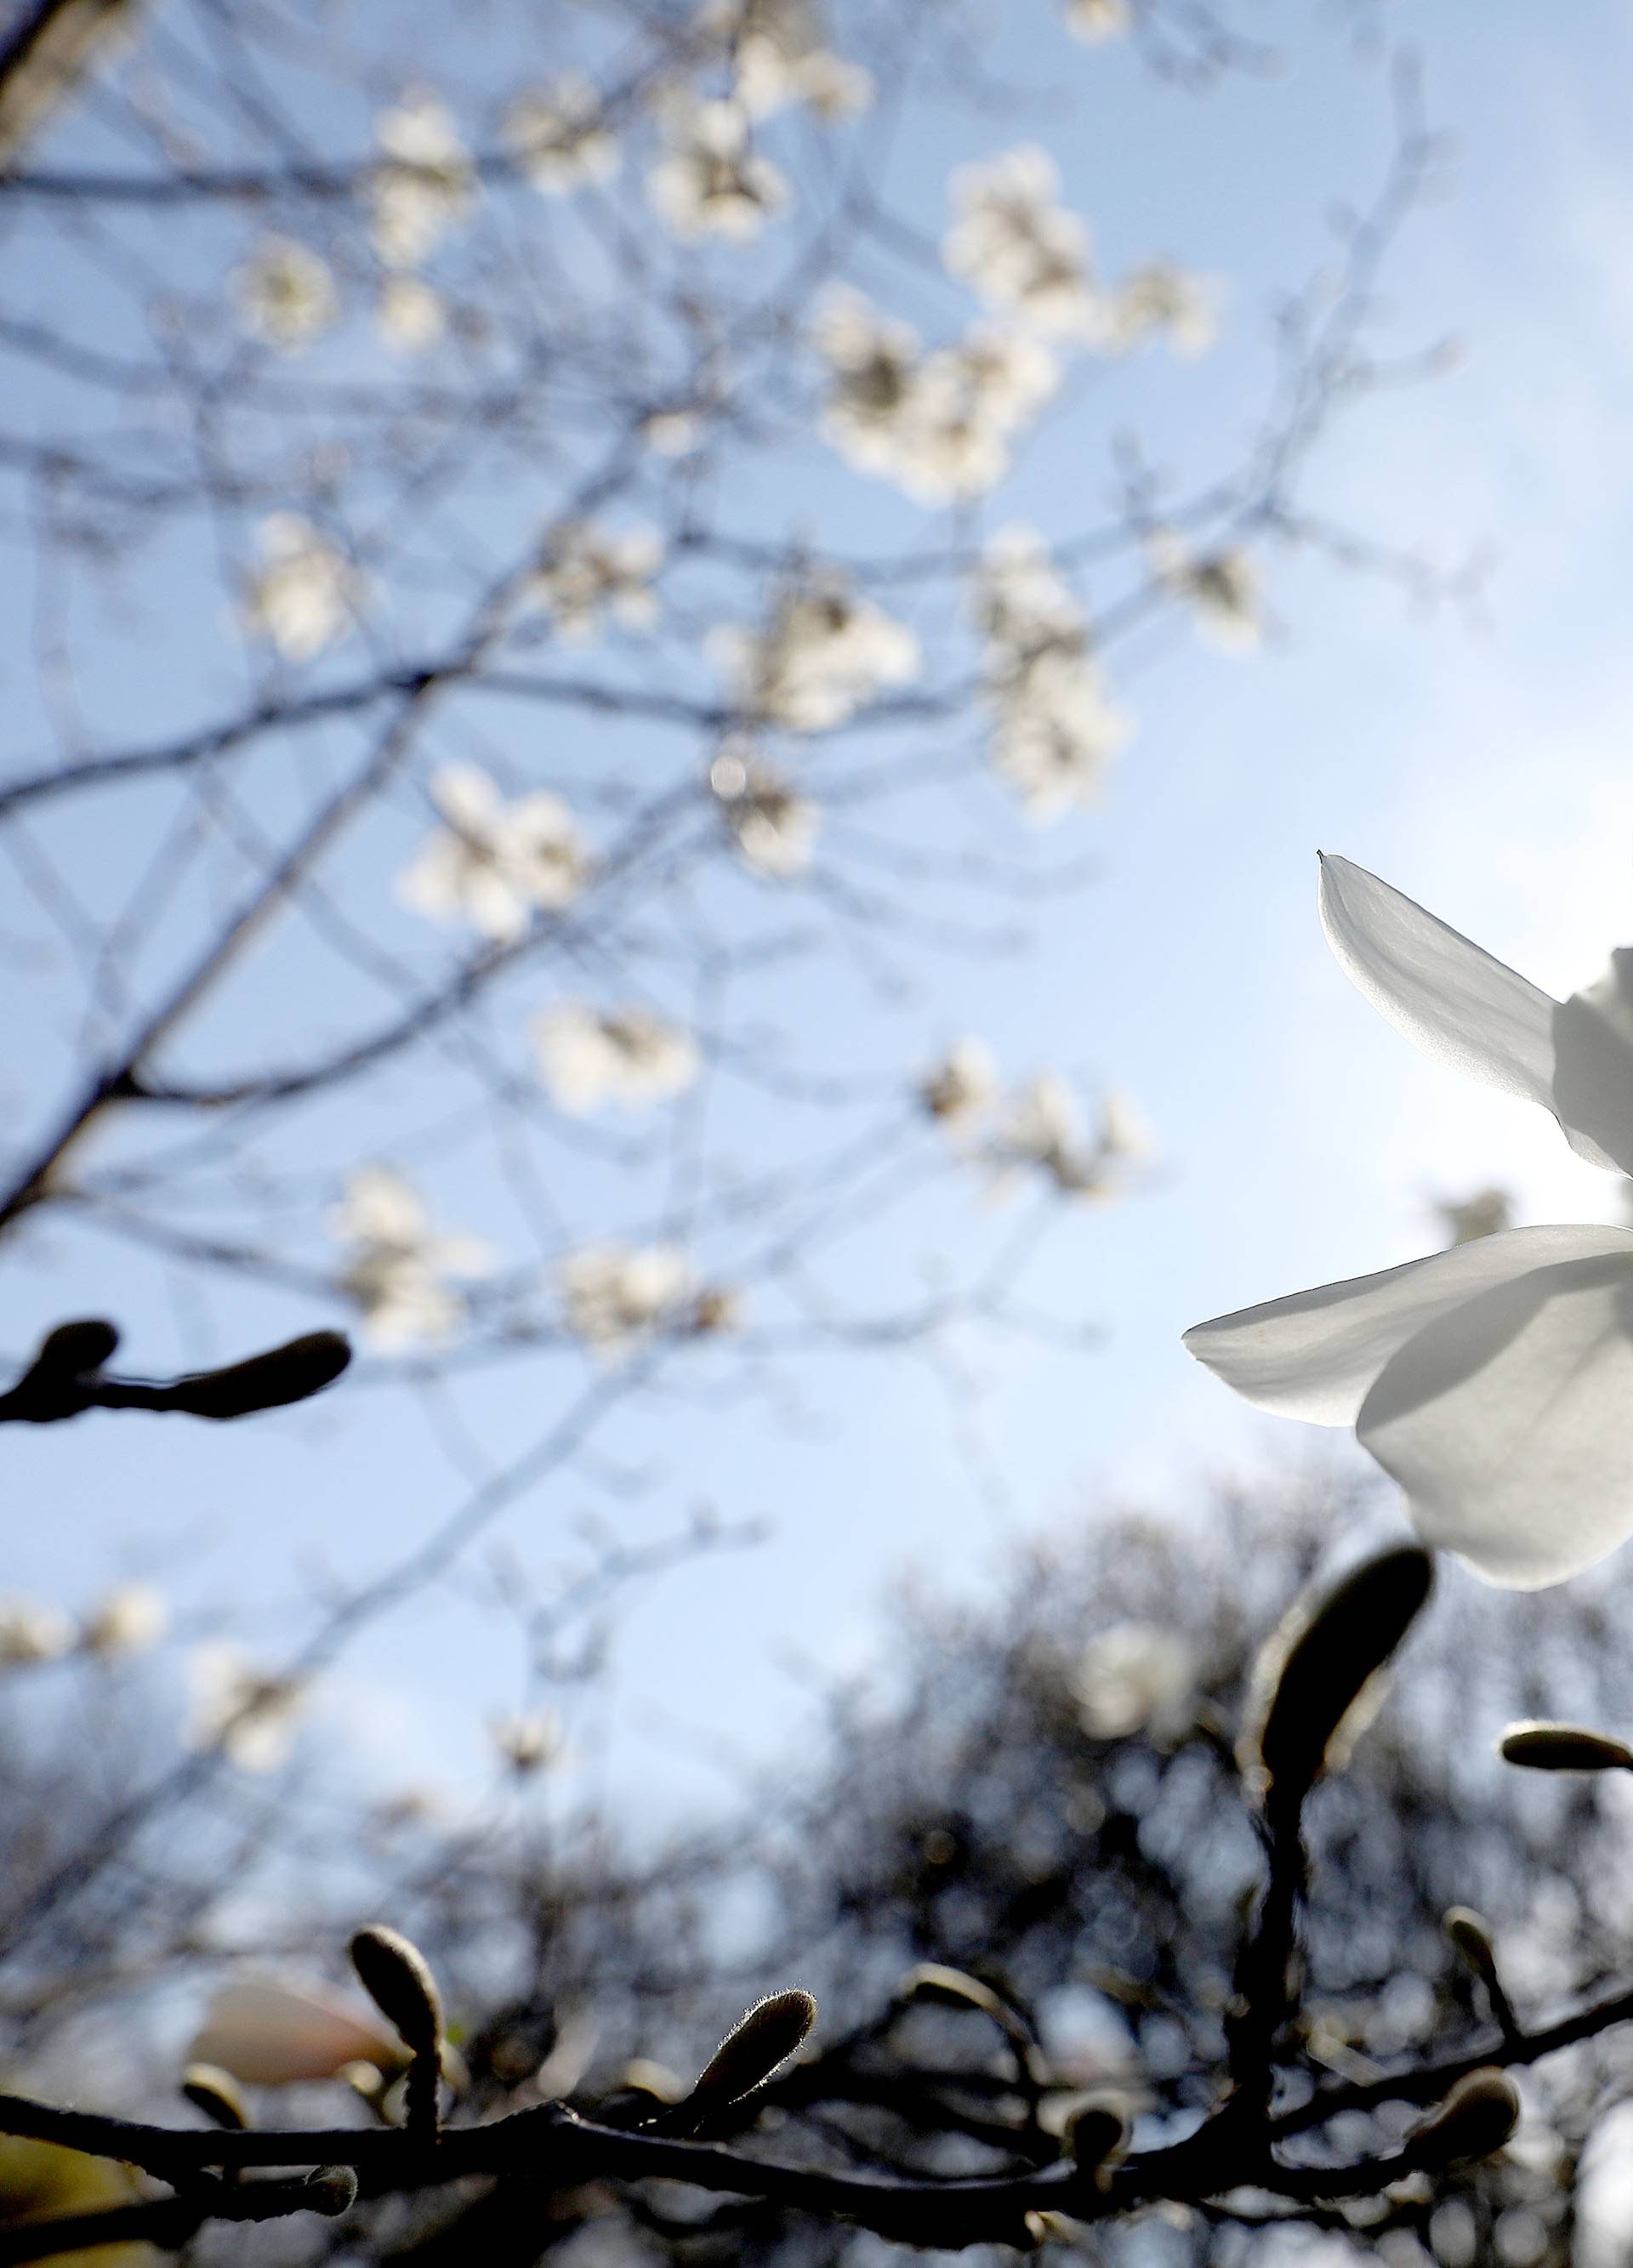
1484,767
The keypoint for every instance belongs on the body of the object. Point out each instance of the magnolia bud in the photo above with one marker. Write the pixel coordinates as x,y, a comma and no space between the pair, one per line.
1323,1657
287,1374
72,1349
1564,1748
1468,1934
765,2036
1476,2117
332,2190
397,1978
1097,2130
218,2095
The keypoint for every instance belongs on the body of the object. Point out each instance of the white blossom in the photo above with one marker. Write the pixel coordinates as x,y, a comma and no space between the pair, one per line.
31,1630
824,653
777,56
129,1619
1161,298
559,135
590,1056
308,593
1493,1380
527,1741
1016,245
1222,587
1056,728
1135,1677
587,572
1095,20
495,864
773,824
613,1294
247,1713
962,1088
1044,1126
402,1273
285,293
423,187
711,182
410,315
270,2033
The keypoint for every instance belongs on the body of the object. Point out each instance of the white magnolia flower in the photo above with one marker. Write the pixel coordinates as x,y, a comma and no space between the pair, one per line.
1162,297
614,1294
271,2034
1017,246
1493,1380
1221,586
30,1630
307,595
286,294
558,137
773,824
411,316
246,1712
1135,1677
129,1619
872,362
402,1273
1056,734
1095,20
712,181
587,572
962,1088
424,184
777,56
495,864
824,653
528,1740
1045,1126
588,1057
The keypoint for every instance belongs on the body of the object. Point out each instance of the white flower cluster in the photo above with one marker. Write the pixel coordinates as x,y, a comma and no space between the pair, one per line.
410,316
940,424
1056,726
401,1274
248,1714
1019,248
591,1056
423,185
495,864
127,1620
587,572
614,1294
308,593
777,56
527,1741
824,653
1039,1126
557,135
285,294
1220,587
711,181
771,823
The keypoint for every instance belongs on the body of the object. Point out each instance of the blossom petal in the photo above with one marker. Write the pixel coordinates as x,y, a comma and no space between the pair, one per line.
1509,1422
1456,1002
1593,1066
1318,1354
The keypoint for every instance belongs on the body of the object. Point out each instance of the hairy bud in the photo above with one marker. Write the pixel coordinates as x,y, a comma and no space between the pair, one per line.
292,1372
949,1988
1476,2117
1564,1748
398,1980
1319,1664
760,2040
218,2095
334,2191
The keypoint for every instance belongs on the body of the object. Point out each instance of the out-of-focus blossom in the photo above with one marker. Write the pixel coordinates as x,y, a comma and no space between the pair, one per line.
44,2180
872,362
1044,1127
495,864
1162,299
271,2034
776,54
672,433
308,593
1484,1213
773,824
1492,1381
587,572
31,1630
285,293
824,654
1056,728
402,1273
1221,586
558,134
423,185
1135,1677
247,1713
411,316
1095,20
527,1741
129,1619
614,1294
1016,245
962,1088
589,1056
711,182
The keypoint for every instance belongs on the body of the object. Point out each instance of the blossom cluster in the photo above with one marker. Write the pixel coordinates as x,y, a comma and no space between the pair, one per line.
1039,1126
824,654
1056,726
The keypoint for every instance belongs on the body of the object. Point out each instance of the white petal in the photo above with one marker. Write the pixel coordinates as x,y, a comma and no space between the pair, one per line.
1509,1422
1317,1354
1455,1001
1593,1070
